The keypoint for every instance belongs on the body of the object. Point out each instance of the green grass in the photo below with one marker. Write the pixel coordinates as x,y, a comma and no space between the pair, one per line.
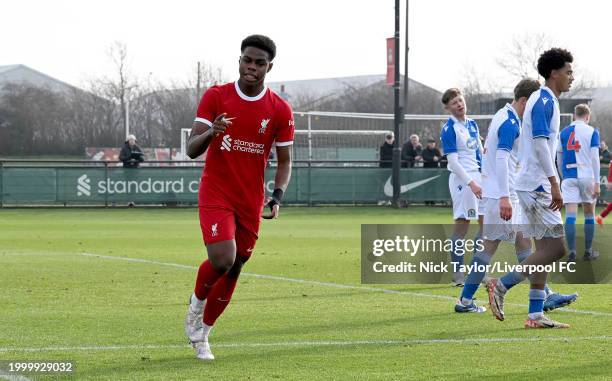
53,296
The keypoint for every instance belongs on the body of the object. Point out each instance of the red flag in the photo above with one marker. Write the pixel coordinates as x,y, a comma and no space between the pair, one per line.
390,61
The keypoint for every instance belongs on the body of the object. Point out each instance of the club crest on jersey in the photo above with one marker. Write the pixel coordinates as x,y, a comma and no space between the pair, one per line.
472,143
213,229
471,213
264,125
226,143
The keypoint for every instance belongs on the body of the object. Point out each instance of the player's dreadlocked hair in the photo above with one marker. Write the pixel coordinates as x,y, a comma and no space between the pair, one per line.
553,59
261,42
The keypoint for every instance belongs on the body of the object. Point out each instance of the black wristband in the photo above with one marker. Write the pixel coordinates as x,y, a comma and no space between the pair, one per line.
277,196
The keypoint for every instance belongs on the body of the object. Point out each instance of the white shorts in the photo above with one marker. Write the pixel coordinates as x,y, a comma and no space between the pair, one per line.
577,191
494,227
465,204
537,219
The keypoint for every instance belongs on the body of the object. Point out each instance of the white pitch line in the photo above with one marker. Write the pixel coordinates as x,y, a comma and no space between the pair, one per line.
12,377
483,340
334,285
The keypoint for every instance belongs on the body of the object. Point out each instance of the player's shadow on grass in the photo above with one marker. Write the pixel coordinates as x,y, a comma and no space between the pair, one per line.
404,322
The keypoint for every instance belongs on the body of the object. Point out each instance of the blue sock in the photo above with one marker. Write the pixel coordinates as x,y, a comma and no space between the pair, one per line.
477,238
511,279
570,230
523,254
458,259
536,302
475,276
589,231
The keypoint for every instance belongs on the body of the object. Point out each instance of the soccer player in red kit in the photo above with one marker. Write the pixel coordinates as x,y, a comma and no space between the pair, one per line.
237,123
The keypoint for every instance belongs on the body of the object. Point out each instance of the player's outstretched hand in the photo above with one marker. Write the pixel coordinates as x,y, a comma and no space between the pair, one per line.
274,207
221,123
505,209
557,199
476,189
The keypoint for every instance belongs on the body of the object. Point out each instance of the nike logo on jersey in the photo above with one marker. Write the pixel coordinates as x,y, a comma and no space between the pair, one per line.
388,189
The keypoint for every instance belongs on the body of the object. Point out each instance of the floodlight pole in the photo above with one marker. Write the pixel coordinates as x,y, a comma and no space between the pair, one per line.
127,109
406,79
127,116
397,111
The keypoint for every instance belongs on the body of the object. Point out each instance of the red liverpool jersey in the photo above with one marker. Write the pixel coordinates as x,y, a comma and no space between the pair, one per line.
233,175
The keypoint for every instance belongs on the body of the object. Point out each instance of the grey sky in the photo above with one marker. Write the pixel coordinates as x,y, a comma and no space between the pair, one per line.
69,39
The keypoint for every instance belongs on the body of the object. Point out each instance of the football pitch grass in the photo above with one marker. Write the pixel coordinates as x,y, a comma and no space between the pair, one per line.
109,288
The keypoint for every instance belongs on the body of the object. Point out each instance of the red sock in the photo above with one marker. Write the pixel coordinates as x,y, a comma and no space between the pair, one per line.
207,277
607,210
219,298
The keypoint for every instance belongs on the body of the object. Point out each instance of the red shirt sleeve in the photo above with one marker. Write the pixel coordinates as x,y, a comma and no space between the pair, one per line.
285,126
208,108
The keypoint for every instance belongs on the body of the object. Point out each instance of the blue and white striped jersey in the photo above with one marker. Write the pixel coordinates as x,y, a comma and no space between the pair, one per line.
541,119
576,142
503,134
462,138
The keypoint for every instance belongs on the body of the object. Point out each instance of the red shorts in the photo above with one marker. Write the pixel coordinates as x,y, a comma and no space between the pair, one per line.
222,224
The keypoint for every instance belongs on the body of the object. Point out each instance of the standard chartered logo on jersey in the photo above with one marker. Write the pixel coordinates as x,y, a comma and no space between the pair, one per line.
143,186
228,144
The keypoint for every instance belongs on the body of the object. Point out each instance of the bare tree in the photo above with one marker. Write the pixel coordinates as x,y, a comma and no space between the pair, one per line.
520,59
602,117
121,86
37,120
206,75
479,90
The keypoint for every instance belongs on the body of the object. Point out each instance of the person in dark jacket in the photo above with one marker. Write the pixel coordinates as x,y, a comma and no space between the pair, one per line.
411,152
431,155
604,153
131,155
386,151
